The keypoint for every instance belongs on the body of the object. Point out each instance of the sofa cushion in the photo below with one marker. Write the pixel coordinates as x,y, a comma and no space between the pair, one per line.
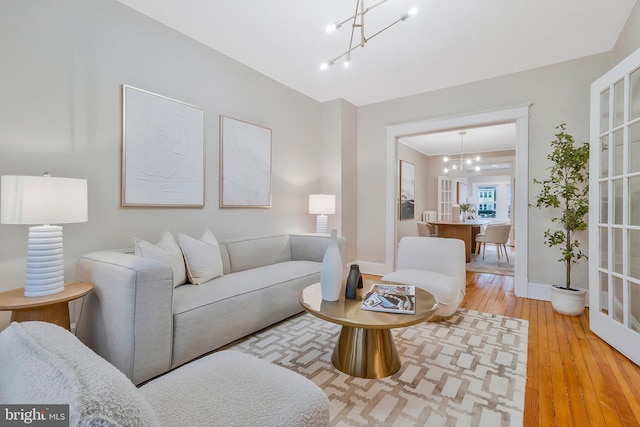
43,363
202,257
230,307
254,252
167,251
230,388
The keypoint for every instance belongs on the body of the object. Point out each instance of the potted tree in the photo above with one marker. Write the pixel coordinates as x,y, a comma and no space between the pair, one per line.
566,190
467,211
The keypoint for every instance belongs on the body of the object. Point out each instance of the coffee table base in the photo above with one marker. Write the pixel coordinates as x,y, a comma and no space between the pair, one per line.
366,353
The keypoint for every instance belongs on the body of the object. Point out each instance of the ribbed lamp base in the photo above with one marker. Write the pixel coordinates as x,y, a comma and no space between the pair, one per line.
322,224
45,261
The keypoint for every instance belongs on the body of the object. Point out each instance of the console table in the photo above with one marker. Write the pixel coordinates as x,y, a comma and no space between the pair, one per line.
52,308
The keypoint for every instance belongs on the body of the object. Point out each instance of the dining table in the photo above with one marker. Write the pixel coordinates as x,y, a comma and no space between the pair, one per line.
463,230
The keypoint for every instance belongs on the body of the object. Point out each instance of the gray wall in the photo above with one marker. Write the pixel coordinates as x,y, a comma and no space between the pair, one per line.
559,93
629,39
63,64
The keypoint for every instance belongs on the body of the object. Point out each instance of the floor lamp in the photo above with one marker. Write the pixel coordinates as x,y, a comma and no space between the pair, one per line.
43,200
322,205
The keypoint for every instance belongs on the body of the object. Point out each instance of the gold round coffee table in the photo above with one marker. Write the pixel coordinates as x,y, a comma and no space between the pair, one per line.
365,347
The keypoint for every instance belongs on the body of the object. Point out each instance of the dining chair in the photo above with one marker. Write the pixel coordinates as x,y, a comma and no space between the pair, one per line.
423,229
497,234
426,230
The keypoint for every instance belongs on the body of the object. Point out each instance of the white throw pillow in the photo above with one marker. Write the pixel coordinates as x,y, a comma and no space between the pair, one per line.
168,251
202,257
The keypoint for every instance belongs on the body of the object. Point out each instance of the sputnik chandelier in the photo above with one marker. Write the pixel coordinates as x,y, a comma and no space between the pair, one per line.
458,165
357,23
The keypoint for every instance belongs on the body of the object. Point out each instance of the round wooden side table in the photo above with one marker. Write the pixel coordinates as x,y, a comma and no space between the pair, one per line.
49,308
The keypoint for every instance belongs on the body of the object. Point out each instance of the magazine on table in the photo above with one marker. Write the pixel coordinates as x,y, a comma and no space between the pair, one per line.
390,299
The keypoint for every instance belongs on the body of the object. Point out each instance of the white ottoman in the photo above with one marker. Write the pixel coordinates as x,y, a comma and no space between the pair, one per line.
230,388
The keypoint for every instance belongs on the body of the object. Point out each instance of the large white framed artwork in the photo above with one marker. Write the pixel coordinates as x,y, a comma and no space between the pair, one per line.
163,162
245,164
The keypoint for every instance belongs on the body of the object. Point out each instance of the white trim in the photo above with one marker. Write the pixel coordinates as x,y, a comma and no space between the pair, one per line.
518,114
376,268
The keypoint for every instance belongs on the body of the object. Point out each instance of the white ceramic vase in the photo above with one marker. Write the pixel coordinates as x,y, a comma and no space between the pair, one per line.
569,302
331,270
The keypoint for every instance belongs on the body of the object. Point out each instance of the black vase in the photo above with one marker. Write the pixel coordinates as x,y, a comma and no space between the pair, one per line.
354,281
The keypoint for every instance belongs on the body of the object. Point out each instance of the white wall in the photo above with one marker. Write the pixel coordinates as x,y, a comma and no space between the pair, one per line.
63,64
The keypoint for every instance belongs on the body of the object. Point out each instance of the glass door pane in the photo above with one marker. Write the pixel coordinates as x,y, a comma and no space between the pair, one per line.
634,145
618,103
634,95
618,153
604,111
604,156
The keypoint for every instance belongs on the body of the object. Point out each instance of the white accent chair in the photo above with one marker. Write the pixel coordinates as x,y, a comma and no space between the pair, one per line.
497,234
436,265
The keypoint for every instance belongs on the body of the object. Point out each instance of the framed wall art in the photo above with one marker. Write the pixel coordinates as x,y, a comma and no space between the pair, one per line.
245,164
407,190
163,162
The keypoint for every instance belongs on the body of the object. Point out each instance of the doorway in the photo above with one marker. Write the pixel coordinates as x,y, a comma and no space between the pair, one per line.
519,116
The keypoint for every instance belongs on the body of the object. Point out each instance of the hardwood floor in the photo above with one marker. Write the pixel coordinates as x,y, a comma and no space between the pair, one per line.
573,377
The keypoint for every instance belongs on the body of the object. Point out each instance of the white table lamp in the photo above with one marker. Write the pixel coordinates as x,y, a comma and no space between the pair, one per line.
322,205
43,200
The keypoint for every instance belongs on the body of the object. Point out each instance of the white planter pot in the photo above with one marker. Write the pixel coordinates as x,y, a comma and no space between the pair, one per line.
568,301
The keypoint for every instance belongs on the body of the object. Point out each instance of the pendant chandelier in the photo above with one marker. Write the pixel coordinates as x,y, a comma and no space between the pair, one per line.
357,24
461,165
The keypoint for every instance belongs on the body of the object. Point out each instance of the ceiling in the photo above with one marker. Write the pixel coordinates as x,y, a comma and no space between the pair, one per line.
448,42
476,140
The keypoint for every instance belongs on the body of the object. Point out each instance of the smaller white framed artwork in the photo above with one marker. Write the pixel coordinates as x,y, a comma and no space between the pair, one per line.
245,164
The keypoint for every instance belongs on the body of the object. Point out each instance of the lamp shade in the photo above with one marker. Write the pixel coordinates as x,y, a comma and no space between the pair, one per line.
42,200
322,204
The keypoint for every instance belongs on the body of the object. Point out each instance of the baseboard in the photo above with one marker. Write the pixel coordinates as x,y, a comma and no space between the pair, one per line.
539,291
375,268
542,292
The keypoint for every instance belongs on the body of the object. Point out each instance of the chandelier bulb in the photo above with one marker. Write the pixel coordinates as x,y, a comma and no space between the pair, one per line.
324,66
446,159
332,27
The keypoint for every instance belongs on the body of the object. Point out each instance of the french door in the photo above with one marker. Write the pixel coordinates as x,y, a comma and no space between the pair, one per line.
445,198
614,208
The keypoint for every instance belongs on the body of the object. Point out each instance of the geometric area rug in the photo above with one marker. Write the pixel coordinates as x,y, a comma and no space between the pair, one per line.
469,370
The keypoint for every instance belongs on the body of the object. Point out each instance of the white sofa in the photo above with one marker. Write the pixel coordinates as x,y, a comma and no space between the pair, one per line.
436,265
44,364
139,322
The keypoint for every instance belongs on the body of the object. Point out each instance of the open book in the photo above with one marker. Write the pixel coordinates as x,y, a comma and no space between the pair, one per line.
391,299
